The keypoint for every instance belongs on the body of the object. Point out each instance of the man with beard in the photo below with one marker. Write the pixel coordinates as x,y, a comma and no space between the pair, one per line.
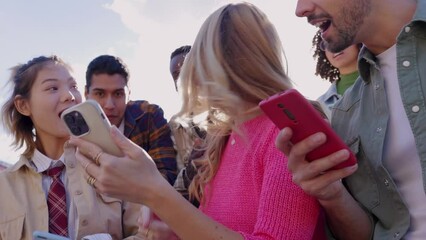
382,119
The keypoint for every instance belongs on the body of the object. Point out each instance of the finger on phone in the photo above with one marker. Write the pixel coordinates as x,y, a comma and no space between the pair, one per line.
297,155
123,142
337,158
323,166
89,166
128,147
282,142
88,149
332,176
308,144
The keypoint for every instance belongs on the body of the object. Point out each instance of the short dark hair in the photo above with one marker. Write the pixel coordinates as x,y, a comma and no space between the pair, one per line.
184,49
106,64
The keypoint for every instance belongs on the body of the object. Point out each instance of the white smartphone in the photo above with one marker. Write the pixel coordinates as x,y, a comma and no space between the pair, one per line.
88,121
39,235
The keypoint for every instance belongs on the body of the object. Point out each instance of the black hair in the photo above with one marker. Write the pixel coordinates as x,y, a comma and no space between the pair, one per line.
323,68
184,49
106,64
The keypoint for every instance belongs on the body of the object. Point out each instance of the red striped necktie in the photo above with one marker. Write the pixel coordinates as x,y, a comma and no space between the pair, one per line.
57,203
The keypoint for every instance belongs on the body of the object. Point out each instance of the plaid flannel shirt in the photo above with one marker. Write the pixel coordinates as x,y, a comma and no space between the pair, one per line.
146,126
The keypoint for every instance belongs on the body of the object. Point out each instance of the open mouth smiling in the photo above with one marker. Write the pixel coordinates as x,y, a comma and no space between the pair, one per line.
60,113
323,25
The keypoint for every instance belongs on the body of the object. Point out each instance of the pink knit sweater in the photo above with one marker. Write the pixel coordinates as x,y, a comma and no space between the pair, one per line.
253,192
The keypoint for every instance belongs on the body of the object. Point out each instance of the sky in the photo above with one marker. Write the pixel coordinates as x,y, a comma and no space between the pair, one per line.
141,32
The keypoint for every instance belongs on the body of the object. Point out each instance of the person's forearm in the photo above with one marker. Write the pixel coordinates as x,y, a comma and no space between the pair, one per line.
184,219
346,219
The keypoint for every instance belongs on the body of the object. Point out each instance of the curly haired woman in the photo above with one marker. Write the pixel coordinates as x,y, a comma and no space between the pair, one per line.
341,69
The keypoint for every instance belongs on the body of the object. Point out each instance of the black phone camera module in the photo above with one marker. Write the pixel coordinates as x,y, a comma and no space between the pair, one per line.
76,123
69,119
289,114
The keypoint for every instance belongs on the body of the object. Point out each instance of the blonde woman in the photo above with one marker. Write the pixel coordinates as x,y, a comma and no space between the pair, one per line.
244,187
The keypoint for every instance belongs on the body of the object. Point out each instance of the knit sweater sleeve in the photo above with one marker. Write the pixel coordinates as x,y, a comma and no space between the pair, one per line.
285,211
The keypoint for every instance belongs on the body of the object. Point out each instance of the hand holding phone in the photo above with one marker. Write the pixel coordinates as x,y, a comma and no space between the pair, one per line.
87,120
291,109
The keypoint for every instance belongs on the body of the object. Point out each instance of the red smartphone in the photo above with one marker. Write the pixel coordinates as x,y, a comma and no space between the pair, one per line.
291,109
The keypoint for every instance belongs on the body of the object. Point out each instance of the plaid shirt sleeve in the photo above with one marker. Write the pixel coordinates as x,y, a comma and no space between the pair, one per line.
161,147
152,132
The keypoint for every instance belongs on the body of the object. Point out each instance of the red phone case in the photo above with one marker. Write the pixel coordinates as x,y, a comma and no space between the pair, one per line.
291,109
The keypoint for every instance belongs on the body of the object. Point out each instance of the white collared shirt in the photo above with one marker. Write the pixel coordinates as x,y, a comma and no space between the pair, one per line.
42,163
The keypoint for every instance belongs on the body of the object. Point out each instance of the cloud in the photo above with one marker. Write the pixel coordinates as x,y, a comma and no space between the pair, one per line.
129,12
158,33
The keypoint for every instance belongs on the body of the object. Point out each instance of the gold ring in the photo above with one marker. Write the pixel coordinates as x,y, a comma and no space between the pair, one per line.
85,166
96,158
91,181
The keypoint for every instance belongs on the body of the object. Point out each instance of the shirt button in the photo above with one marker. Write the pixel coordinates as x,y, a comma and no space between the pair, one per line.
415,108
71,165
84,222
386,183
379,129
395,235
377,86
407,29
406,63
78,192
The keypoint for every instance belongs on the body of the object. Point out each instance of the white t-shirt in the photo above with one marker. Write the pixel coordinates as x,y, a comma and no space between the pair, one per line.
400,154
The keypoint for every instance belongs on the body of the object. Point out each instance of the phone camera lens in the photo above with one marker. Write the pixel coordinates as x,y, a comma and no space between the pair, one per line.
76,123
69,119
76,130
80,121
289,114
